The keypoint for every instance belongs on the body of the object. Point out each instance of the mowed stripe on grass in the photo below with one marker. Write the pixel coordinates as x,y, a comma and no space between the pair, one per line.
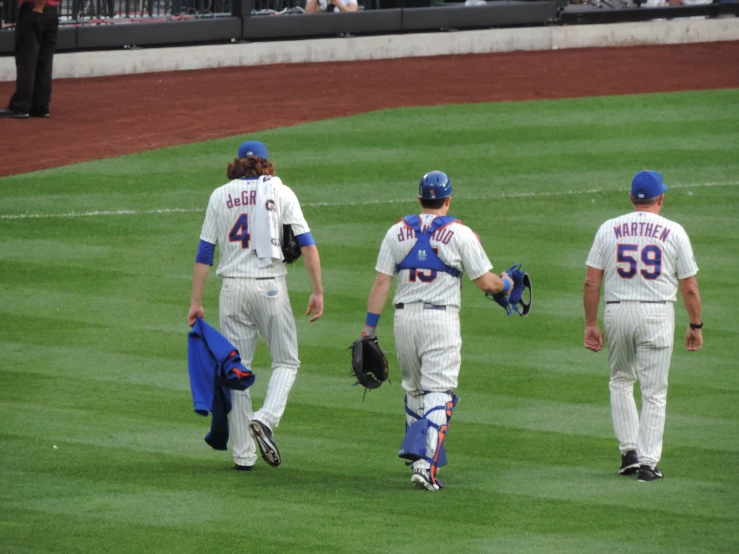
160,211
92,343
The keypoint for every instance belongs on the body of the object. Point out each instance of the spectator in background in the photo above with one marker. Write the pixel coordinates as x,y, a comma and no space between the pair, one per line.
314,6
35,43
659,3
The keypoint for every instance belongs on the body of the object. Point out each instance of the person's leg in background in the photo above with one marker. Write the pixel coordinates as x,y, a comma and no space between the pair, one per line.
44,66
27,45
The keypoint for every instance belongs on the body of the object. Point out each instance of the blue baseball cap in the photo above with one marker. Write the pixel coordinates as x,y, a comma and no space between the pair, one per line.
647,184
252,148
434,186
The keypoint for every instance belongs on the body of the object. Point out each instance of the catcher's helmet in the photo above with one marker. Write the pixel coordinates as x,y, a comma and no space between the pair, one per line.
434,185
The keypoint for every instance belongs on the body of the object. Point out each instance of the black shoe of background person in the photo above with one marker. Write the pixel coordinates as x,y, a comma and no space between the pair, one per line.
629,463
647,474
237,467
8,113
38,112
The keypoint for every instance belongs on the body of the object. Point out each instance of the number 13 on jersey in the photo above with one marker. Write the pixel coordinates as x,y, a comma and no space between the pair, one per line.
651,258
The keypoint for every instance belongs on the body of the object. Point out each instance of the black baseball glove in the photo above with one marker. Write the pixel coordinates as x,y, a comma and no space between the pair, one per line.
369,364
514,302
290,246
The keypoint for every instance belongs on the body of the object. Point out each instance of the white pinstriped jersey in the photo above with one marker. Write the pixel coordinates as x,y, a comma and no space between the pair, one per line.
456,245
642,255
227,223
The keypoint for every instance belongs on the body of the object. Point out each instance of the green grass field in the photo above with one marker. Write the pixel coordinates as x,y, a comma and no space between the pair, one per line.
100,450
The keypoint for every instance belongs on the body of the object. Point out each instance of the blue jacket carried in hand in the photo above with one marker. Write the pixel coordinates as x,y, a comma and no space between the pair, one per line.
215,369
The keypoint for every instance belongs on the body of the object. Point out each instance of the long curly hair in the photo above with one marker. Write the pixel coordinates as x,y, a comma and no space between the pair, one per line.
251,166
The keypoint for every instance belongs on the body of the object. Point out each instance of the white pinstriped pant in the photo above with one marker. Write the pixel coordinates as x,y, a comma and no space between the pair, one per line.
250,307
429,344
640,339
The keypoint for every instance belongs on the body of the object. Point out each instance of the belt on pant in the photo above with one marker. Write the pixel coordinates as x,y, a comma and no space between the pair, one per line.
264,278
640,301
401,305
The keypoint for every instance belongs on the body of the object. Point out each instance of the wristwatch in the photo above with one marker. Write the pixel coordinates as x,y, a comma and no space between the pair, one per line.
696,325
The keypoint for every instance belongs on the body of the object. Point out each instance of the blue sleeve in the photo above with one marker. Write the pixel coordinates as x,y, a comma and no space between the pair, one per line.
306,239
206,251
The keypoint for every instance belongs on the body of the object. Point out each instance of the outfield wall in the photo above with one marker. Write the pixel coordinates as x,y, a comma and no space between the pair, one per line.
127,62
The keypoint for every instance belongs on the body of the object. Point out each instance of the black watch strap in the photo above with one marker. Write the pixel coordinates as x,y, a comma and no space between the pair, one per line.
696,325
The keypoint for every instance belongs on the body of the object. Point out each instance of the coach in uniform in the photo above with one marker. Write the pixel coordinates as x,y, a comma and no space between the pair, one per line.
245,218
35,43
643,257
428,253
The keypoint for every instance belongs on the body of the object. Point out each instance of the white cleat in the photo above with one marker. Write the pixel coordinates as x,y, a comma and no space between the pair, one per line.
422,479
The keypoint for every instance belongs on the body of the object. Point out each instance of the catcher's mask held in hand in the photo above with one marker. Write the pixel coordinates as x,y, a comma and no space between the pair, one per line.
518,301
369,364
525,305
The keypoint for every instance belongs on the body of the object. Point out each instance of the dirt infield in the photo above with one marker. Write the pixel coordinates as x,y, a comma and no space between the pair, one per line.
108,116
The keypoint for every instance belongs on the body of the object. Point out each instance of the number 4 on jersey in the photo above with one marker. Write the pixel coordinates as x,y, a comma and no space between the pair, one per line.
240,231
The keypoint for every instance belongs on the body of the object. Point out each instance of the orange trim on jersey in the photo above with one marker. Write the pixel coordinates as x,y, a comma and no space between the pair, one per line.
404,222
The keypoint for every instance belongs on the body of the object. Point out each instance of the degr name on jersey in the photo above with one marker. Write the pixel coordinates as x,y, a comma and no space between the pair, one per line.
247,198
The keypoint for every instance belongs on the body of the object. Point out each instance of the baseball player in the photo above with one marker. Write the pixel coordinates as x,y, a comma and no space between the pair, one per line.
243,219
428,253
643,257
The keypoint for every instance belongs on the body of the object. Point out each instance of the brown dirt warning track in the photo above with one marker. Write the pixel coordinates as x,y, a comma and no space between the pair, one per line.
109,116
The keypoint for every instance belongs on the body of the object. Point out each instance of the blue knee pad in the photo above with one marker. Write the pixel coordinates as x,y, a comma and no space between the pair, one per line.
414,443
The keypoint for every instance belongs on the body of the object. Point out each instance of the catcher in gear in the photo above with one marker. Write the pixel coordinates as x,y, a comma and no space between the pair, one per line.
369,363
429,252
515,301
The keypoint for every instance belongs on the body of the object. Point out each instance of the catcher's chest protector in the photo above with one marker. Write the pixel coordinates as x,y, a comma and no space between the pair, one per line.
423,255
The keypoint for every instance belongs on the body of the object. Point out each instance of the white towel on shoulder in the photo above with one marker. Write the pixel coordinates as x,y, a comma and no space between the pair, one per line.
265,224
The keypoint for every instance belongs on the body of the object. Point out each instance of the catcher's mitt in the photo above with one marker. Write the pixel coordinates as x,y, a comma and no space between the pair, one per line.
369,364
514,302
290,246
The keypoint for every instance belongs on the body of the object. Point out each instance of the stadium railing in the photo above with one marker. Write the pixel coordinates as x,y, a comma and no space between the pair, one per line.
88,24
126,11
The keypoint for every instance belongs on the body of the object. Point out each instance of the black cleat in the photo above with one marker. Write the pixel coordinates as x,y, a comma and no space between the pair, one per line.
647,474
38,113
265,440
629,463
237,467
8,113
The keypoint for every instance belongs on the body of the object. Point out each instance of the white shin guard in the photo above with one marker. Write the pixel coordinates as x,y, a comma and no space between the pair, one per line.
438,417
